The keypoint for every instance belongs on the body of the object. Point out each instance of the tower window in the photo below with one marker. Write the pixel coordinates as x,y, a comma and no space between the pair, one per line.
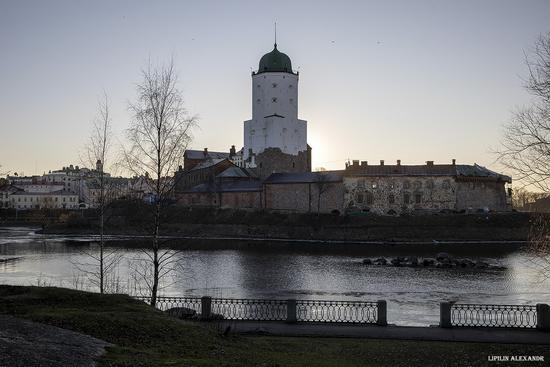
258,86
274,99
274,85
258,100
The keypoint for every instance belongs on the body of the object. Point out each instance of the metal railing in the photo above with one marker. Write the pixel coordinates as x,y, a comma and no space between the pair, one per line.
291,310
250,309
515,316
167,303
337,311
494,316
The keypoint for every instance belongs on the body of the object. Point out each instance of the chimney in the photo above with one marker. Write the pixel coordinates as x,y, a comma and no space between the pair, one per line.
454,161
364,163
430,163
399,162
355,163
381,162
232,151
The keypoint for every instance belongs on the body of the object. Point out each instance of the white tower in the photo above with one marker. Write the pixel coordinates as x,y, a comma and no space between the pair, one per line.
275,122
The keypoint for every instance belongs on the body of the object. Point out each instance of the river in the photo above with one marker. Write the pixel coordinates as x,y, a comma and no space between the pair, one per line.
287,270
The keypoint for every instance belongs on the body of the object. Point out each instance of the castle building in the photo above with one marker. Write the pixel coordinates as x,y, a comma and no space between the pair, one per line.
273,169
275,139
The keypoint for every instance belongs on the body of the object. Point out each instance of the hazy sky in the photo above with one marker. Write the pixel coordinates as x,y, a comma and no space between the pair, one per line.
409,80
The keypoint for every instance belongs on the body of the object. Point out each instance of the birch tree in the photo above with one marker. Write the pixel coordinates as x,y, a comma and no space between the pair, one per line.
158,135
97,154
526,143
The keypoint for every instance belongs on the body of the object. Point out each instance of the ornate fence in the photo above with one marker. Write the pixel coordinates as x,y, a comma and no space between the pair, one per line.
250,309
274,310
497,316
337,311
494,315
167,303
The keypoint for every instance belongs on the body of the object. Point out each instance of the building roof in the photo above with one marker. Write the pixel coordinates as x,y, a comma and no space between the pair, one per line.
304,177
458,170
208,163
275,61
201,154
234,172
227,186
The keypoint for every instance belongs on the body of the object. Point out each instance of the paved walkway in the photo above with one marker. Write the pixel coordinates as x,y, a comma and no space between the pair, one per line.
481,335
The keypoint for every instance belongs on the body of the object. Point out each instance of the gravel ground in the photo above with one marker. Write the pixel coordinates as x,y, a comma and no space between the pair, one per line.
26,343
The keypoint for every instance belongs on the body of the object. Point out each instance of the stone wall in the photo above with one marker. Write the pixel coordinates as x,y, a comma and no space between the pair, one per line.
273,160
481,194
236,200
395,194
304,197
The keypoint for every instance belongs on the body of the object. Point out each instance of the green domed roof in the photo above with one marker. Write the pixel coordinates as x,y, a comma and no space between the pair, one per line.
275,61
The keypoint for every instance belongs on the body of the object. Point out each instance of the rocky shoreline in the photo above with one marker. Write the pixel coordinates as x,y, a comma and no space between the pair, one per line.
441,260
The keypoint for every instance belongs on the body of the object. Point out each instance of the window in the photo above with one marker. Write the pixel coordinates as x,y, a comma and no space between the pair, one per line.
261,165
417,198
359,198
274,99
446,184
274,85
293,165
370,197
290,86
258,100
258,86
252,132
391,199
406,198
430,184
291,100
406,185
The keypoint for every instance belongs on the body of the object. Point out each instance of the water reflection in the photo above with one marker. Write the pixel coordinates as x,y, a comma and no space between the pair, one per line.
305,271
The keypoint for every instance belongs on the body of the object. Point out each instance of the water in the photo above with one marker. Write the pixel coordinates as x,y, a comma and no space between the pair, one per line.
281,271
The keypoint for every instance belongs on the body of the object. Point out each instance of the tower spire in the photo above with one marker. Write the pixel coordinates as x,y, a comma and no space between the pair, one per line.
275,35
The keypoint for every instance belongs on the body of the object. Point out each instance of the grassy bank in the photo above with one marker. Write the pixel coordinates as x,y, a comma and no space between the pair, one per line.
146,337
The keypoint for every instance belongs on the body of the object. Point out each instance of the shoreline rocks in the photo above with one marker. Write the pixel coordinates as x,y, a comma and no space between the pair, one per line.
441,261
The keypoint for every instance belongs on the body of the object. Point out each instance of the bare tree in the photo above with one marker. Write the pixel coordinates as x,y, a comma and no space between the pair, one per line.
526,143
322,183
538,251
97,155
157,138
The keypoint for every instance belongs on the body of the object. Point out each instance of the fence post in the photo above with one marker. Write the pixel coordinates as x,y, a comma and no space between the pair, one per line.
543,317
206,307
445,314
382,311
291,310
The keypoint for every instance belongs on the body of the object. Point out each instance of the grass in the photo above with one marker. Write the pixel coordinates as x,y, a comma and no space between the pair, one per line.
143,336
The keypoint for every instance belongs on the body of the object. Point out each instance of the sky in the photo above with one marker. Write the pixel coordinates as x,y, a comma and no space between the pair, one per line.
410,80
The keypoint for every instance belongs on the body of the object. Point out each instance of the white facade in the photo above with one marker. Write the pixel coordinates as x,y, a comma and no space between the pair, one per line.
54,200
274,122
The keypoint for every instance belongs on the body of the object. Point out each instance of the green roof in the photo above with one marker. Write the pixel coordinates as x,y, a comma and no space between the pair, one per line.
275,61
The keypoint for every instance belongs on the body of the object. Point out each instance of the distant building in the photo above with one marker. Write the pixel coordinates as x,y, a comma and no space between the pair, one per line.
61,199
395,189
